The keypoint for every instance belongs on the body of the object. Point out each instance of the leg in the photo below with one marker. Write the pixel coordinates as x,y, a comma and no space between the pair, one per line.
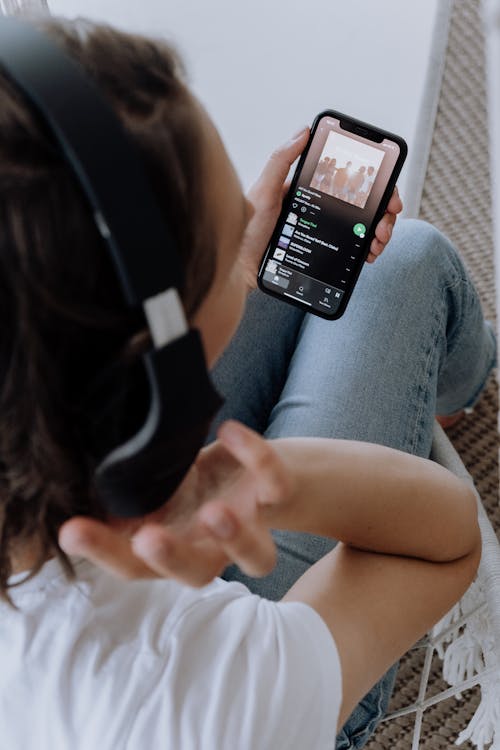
413,341
252,371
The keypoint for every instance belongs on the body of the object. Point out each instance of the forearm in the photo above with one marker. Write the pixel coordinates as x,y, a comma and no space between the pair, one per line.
376,498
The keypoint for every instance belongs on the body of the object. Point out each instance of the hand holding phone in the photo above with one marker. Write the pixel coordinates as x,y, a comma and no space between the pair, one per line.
339,192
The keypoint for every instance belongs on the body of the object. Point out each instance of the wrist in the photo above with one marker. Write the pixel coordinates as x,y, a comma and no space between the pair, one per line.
289,509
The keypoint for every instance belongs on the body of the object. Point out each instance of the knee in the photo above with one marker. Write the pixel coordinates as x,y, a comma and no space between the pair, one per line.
419,250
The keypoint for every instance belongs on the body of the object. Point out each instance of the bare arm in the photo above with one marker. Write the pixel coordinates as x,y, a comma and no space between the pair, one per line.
377,606
367,496
410,543
410,549
375,498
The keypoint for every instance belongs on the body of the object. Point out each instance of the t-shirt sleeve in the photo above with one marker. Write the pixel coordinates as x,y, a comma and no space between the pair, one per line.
245,673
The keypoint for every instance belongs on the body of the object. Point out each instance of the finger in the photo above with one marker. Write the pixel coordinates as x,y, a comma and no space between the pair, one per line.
214,461
376,247
172,556
86,537
258,456
395,205
371,258
249,545
268,188
383,230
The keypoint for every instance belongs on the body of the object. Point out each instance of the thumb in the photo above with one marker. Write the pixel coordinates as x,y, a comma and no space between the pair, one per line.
269,186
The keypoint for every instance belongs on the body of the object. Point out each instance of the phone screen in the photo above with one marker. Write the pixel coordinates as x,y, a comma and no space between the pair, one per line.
329,216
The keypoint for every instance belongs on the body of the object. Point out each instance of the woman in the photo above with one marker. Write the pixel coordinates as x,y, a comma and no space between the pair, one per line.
153,663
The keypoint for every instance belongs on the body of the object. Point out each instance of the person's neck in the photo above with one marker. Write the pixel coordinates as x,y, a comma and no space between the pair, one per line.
26,557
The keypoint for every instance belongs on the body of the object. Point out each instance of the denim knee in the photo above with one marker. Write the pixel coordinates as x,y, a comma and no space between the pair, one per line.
420,251
368,713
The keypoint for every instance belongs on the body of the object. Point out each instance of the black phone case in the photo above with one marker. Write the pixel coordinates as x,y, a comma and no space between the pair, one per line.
366,130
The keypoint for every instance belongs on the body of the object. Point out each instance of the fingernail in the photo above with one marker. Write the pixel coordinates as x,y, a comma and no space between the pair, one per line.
151,543
221,525
389,229
232,433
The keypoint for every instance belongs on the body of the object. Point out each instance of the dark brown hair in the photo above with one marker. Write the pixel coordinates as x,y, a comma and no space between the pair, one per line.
69,376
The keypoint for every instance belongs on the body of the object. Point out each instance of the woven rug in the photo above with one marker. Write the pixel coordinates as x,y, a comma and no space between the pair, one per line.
456,199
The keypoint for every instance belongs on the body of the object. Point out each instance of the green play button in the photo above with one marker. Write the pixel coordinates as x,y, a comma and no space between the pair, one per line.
359,230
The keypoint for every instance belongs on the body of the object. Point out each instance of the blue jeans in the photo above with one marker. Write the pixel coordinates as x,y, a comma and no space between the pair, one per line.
412,344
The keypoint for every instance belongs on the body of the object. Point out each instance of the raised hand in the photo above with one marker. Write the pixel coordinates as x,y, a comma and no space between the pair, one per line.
217,516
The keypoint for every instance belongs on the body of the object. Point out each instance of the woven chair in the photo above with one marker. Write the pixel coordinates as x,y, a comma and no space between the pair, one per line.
468,638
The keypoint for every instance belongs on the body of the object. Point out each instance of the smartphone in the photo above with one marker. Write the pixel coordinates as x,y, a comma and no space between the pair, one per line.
339,193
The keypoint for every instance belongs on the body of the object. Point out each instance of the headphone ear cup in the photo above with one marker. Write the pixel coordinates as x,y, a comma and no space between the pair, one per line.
140,475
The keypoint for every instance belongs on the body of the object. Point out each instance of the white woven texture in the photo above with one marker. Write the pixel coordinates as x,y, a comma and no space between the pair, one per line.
465,648
467,640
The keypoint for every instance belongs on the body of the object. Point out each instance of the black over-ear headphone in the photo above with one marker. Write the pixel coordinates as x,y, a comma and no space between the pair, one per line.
107,165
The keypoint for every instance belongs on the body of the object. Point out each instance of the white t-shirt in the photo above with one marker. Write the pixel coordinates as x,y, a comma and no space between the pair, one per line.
103,664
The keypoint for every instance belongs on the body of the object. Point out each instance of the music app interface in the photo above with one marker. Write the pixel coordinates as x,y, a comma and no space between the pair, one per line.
319,245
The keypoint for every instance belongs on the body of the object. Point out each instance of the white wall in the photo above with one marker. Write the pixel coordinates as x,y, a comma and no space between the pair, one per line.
265,68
